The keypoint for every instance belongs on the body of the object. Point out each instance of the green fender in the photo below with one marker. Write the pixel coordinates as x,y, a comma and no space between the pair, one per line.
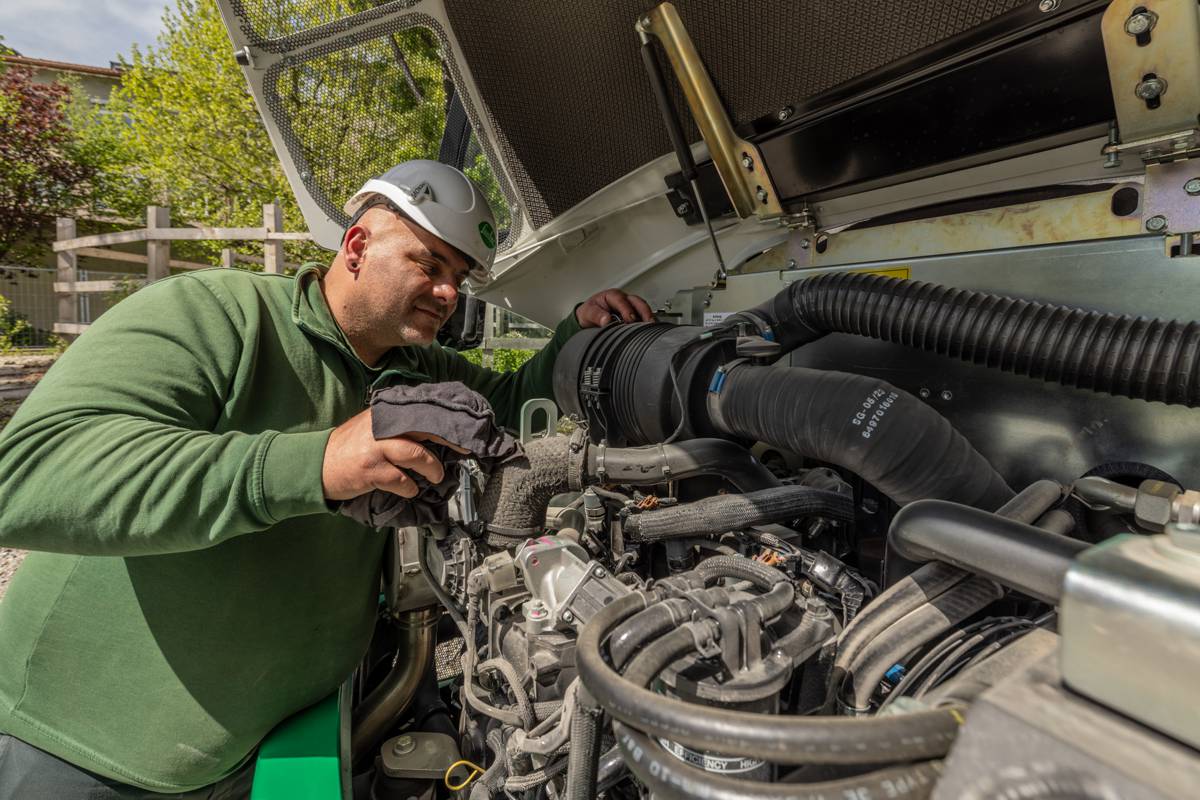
307,756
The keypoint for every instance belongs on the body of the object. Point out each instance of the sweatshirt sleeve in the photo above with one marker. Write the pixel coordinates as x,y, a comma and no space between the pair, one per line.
114,451
508,391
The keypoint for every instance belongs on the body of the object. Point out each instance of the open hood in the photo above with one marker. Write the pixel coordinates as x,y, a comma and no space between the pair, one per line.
549,106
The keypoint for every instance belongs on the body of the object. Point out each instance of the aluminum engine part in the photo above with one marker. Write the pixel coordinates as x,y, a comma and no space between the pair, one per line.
1029,737
1130,623
558,572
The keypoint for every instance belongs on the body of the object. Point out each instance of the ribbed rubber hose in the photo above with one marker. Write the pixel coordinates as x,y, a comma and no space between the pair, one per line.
1147,359
883,434
726,512
583,759
669,778
779,739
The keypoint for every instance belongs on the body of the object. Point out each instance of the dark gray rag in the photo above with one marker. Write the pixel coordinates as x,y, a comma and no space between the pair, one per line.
449,410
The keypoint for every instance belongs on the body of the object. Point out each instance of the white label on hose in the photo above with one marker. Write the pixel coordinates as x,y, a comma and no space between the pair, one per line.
710,763
872,409
714,318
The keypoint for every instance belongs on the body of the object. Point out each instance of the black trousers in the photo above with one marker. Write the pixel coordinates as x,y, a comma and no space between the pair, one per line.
27,773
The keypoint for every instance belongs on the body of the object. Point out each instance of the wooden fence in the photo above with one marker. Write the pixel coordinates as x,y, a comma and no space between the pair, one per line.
158,235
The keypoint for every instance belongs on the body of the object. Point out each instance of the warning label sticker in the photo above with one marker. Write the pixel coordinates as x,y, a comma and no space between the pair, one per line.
710,763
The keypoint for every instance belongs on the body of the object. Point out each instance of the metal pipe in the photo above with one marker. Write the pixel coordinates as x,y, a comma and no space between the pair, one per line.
390,699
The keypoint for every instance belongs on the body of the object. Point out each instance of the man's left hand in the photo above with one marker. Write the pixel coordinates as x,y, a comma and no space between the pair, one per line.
612,305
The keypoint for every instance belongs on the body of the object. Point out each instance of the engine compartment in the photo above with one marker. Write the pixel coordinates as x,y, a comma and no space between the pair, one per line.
742,577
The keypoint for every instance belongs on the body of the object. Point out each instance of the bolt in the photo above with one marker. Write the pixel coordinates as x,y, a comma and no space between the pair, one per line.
805,244
1151,88
683,209
1156,223
762,195
1140,23
747,161
1192,187
404,745
568,616
947,395
924,393
785,113
599,572
791,263
645,21
1046,6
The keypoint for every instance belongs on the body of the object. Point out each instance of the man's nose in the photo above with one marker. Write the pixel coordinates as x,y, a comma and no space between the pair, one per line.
447,292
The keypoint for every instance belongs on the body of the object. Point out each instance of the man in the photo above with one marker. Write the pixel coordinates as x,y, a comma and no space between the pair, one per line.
178,467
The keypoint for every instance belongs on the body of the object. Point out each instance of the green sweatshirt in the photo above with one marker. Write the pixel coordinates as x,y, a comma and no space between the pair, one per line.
193,589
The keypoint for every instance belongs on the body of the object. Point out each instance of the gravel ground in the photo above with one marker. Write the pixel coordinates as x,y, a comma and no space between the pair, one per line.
9,559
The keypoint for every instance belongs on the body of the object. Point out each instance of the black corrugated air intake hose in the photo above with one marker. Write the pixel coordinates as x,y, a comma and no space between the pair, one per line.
1146,359
629,382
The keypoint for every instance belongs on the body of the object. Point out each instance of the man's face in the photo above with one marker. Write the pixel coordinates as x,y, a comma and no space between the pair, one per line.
407,279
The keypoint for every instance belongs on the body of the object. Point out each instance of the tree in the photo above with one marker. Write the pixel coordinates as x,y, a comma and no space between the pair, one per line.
41,172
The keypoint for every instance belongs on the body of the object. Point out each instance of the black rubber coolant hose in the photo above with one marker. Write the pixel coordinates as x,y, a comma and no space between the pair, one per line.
889,438
726,512
1148,359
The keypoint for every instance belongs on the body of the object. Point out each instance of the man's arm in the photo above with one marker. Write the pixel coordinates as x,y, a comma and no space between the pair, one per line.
113,453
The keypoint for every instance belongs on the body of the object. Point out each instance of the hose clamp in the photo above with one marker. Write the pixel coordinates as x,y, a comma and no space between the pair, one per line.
601,474
712,400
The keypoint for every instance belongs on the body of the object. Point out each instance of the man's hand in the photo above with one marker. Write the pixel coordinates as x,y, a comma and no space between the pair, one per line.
356,462
599,309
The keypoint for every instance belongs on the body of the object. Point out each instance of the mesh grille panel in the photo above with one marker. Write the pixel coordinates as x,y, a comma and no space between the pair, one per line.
565,84
447,658
279,25
356,106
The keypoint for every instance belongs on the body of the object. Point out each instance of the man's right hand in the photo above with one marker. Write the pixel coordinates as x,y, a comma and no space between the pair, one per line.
356,462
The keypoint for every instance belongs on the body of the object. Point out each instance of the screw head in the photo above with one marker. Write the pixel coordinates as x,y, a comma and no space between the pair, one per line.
1150,88
404,745
762,195
791,263
568,616
1046,6
785,113
599,572
1140,23
947,394
1156,223
1192,187
924,393
683,209
747,161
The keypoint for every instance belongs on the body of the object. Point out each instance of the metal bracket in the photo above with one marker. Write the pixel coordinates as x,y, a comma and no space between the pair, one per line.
738,162
529,410
1153,53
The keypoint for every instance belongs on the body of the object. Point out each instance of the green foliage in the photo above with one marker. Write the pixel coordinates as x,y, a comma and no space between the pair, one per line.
502,360
5,50
15,330
190,135
42,173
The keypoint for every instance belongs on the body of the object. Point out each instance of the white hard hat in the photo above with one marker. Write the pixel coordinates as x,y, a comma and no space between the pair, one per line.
443,201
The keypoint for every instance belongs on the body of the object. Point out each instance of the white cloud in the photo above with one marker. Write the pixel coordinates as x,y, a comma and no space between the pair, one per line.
80,31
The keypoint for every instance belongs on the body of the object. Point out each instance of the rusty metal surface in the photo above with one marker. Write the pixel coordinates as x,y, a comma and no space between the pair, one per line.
1079,218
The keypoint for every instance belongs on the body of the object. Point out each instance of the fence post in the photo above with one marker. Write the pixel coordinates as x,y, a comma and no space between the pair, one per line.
227,259
487,356
67,271
272,248
158,251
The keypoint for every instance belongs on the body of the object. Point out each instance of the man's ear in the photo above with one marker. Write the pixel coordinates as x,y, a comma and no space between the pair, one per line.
354,244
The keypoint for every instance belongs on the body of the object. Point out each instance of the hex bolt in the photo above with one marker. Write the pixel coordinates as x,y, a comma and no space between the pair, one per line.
1046,6
1141,22
785,113
1156,224
747,161
1192,187
947,395
762,195
805,244
791,263
568,616
1150,88
599,572
404,745
683,209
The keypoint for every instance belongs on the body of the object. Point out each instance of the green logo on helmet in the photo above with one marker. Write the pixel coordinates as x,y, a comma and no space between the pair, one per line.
488,234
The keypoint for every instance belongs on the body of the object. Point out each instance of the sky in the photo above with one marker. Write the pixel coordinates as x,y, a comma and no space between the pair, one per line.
79,31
